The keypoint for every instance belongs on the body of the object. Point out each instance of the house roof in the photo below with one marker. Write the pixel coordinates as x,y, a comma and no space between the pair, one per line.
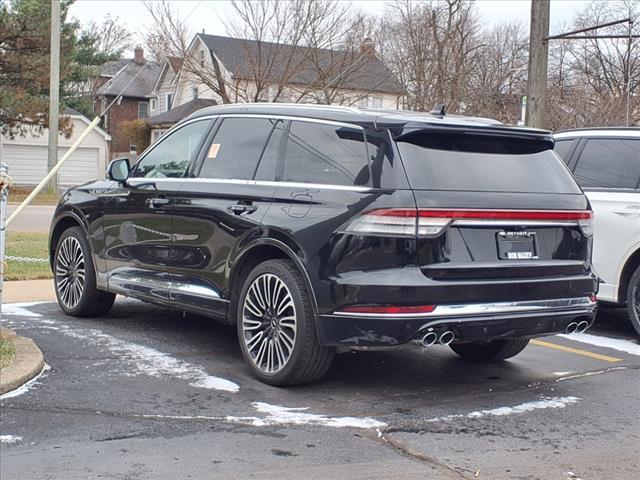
74,113
368,72
176,114
111,68
143,76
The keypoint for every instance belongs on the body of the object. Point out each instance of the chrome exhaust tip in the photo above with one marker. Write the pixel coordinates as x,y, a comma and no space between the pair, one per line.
571,328
429,339
582,326
446,338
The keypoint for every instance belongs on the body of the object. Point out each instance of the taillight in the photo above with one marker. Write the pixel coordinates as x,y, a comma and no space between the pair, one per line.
387,309
432,222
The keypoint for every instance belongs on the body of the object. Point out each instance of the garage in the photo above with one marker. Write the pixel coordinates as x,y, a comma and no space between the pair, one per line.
27,155
28,164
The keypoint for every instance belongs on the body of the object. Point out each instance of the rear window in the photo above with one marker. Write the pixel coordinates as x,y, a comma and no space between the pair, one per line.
609,163
482,163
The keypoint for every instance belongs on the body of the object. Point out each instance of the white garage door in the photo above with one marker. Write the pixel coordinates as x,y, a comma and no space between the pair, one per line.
28,164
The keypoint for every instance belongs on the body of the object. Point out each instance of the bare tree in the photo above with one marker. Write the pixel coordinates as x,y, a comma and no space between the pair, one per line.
111,38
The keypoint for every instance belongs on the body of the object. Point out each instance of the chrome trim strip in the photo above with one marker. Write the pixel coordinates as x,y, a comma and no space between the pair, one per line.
233,181
473,309
276,116
199,291
524,222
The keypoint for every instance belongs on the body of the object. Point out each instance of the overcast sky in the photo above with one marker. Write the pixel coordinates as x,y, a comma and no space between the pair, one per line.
210,14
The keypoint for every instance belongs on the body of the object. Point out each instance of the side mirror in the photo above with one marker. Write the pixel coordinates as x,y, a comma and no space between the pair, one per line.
118,169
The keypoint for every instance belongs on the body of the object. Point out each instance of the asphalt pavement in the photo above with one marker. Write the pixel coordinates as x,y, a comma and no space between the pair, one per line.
147,393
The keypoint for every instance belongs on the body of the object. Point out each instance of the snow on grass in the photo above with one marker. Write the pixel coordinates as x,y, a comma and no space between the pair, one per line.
10,439
551,402
627,346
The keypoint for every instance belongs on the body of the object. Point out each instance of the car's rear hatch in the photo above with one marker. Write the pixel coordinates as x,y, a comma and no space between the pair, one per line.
494,206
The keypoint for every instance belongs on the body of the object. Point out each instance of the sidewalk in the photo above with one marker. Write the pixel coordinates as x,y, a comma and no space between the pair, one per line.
28,291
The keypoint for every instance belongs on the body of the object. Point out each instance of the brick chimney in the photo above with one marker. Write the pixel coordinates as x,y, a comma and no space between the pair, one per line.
368,47
138,55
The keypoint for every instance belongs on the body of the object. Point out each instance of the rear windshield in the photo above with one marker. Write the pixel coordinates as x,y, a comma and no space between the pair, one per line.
469,162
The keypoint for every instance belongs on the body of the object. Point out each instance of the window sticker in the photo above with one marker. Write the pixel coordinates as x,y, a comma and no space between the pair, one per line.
213,150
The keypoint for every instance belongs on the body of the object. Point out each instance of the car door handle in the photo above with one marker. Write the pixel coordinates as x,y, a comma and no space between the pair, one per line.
157,202
239,208
628,210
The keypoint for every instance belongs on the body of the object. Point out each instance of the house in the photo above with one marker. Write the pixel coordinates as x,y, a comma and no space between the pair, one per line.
242,70
134,79
164,121
27,155
161,97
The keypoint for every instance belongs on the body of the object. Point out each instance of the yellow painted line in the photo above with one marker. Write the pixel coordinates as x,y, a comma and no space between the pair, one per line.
577,351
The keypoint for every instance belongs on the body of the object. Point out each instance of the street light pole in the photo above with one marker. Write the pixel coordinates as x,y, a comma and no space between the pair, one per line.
54,92
538,58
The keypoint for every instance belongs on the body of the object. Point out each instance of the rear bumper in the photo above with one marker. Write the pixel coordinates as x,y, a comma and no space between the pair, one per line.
469,322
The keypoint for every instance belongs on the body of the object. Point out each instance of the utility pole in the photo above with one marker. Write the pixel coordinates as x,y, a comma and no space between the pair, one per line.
54,93
538,58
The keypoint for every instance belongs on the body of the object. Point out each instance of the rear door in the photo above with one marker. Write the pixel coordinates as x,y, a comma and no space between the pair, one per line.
221,207
494,208
137,216
609,171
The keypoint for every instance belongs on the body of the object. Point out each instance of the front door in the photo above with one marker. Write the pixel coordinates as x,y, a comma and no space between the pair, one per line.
138,217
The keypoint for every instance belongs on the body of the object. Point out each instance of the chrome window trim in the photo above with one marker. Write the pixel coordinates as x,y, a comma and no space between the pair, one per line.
266,183
275,116
475,309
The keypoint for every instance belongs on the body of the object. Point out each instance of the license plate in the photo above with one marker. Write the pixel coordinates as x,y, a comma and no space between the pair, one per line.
516,245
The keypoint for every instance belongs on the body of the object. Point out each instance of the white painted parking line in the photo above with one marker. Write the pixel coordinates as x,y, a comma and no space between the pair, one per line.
550,402
626,346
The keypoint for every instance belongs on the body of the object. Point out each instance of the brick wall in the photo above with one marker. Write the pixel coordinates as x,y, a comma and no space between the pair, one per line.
126,111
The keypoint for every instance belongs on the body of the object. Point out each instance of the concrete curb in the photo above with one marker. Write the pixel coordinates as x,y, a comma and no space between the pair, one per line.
27,363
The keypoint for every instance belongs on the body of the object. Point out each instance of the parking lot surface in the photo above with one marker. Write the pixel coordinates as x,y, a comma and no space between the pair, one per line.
149,393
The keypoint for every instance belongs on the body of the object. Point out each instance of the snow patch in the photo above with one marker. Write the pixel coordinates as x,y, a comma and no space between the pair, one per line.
588,374
278,415
20,309
560,374
10,439
627,346
142,360
21,390
551,402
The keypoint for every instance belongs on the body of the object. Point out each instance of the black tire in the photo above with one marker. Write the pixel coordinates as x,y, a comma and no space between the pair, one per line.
88,300
494,351
633,299
307,361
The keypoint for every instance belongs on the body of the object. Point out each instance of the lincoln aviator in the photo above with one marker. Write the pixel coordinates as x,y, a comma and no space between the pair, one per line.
312,229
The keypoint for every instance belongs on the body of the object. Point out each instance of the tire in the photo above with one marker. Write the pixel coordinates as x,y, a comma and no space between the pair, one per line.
276,327
633,299
77,296
494,351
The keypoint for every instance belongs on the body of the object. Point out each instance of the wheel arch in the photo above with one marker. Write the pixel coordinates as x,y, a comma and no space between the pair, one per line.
255,253
63,222
633,261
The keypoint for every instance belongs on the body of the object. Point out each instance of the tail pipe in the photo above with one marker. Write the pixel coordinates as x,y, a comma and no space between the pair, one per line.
446,338
582,326
571,328
429,339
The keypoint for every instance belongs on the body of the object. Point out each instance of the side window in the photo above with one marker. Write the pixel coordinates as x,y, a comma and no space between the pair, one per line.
237,147
609,163
173,155
266,169
564,148
328,154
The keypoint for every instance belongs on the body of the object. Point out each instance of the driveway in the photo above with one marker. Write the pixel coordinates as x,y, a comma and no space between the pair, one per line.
34,218
147,393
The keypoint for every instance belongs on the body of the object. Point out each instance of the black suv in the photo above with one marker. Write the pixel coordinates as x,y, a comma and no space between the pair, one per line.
312,228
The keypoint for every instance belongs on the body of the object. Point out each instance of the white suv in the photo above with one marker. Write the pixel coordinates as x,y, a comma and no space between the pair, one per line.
606,163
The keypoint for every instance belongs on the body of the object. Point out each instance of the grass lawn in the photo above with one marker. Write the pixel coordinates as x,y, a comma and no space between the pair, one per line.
27,244
7,351
18,194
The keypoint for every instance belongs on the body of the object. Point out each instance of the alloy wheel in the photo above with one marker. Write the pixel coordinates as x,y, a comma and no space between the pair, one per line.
269,323
70,272
635,299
